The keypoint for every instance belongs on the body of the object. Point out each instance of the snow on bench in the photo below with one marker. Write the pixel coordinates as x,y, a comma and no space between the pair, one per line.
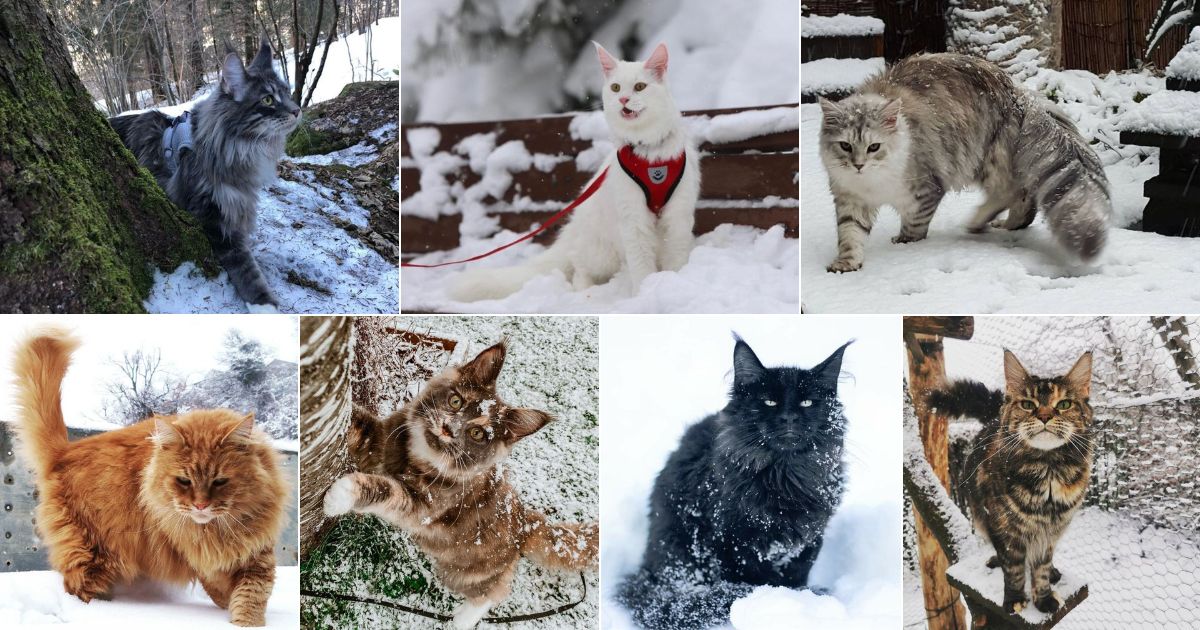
840,25
1185,65
984,587
1167,113
472,179
833,78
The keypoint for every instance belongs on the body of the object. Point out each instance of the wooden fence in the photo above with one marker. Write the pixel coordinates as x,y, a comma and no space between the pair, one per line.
733,174
1104,35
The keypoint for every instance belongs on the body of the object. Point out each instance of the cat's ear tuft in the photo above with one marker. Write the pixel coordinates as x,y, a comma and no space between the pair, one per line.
1015,376
1080,376
890,114
485,368
746,366
233,76
607,62
829,369
656,63
165,433
522,423
242,430
262,61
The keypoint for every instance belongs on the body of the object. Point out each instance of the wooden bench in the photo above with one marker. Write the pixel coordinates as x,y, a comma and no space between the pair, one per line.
753,181
822,44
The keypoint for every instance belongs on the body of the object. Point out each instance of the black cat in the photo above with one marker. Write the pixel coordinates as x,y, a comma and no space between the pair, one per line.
745,498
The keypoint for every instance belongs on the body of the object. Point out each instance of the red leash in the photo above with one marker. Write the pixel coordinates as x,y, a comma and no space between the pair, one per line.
549,222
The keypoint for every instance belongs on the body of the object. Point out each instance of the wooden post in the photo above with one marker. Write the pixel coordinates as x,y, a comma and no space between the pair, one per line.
927,370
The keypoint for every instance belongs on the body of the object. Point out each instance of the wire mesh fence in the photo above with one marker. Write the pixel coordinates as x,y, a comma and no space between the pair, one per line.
1136,540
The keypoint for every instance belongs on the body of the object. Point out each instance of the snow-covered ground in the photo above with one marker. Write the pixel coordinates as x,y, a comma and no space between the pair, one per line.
999,271
37,598
660,376
551,365
299,233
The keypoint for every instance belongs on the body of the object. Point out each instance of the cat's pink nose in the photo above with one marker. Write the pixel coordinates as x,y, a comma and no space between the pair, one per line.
200,506
624,99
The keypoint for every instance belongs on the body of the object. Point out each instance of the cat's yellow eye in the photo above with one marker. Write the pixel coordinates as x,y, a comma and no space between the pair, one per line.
638,87
183,481
476,433
219,482
456,402
616,87
1064,405
268,101
805,403
770,403
1028,405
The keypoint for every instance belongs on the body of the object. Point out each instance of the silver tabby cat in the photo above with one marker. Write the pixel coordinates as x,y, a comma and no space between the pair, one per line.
238,137
935,123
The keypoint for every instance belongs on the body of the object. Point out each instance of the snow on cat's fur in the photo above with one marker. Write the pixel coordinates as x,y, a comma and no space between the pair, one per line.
614,230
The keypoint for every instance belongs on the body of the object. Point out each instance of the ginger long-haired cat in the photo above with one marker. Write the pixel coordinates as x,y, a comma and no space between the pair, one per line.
433,469
198,496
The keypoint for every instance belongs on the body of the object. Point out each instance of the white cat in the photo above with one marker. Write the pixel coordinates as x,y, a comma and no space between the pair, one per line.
616,228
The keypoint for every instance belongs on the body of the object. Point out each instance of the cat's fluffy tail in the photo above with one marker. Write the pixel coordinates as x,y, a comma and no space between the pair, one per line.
1072,187
658,602
562,546
41,362
967,399
474,285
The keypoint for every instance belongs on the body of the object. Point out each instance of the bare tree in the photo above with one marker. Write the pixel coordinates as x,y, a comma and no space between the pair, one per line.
142,389
326,355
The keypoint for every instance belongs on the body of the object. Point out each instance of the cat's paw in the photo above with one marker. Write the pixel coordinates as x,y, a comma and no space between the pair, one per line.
992,562
341,496
265,309
1048,604
906,238
844,266
1055,575
1015,604
468,615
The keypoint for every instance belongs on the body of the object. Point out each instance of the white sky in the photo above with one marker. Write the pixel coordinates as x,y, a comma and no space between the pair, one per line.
191,345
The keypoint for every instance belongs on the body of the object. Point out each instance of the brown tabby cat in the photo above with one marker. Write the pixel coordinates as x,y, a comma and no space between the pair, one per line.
199,496
432,470
1028,469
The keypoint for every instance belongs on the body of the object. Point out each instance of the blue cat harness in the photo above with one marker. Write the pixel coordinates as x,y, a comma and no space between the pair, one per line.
176,139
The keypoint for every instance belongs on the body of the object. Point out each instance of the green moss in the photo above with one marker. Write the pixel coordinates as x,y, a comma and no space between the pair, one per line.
92,224
306,141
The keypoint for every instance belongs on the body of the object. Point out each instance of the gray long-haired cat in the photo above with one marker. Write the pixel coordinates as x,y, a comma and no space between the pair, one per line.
237,137
934,123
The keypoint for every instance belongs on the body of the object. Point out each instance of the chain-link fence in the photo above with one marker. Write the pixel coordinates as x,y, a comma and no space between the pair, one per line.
1136,542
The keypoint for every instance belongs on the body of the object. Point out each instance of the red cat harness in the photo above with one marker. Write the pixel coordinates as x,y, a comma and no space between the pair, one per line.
656,179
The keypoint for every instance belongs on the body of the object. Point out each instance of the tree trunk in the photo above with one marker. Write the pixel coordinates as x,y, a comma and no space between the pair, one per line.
326,357
195,51
81,225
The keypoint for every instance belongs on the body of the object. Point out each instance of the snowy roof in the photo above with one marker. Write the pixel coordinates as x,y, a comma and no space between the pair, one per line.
840,25
1186,63
1166,112
837,75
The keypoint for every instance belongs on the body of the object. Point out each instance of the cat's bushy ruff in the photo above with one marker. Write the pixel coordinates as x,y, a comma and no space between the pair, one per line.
1029,469
238,134
936,123
434,469
195,497
745,498
616,229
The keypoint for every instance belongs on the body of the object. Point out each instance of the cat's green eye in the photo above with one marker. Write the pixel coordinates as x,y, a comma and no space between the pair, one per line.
183,481
1028,405
873,148
805,403
456,402
219,482
476,433
616,87
638,87
1064,405
268,101
845,146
